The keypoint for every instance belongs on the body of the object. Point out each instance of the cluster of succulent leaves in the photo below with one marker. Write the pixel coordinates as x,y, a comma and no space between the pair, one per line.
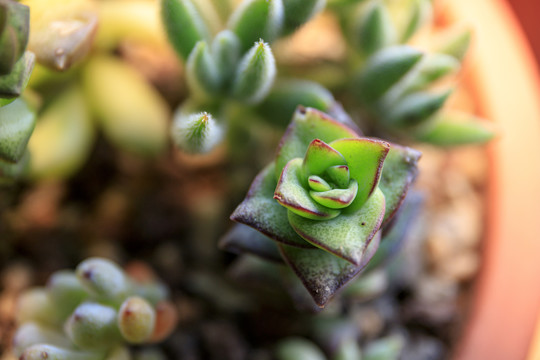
91,313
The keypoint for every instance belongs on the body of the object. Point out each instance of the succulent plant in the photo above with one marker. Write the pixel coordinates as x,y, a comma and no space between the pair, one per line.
91,313
324,199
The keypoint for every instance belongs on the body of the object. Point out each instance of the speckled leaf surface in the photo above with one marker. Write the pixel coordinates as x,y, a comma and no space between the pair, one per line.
365,159
347,235
260,211
322,273
243,239
400,169
307,125
291,193
17,123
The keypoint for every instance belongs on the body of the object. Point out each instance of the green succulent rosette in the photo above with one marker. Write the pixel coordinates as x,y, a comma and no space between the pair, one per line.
324,199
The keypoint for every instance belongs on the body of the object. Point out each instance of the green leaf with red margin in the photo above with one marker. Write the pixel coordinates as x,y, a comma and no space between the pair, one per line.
319,157
307,125
260,211
339,175
291,193
365,159
400,170
317,183
336,198
347,235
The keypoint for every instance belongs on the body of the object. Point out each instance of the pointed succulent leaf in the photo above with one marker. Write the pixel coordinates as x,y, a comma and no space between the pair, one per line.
308,124
202,75
347,235
453,128
226,53
14,83
400,170
318,184
291,193
14,28
298,349
196,133
17,123
374,29
10,172
415,108
421,12
257,19
287,94
243,239
136,319
32,333
431,69
385,69
260,211
184,25
255,74
336,198
51,352
298,12
365,159
92,326
322,273
103,278
320,156
340,175
456,43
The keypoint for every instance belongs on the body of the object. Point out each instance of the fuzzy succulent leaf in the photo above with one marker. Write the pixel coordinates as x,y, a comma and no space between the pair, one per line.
415,108
202,74
287,94
51,352
184,25
14,83
383,70
103,278
32,333
17,123
66,291
10,172
255,74
226,54
244,239
92,326
196,133
14,28
452,129
374,29
456,44
298,12
421,11
136,319
432,68
347,235
260,211
257,19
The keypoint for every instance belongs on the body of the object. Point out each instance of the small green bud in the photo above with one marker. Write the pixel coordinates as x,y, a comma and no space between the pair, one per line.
257,19
31,333
196,133
14,26
184,25
14,83
374,28
415,108
103,278
50,352
255,74
202,74
421,12
66,291
298,349
17,123
136,319
383,70
92,326
298,12
226,52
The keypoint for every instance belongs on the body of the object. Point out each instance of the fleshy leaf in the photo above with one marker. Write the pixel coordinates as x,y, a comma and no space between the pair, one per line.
184,25
307,125
17,123
195,133
10,172
296,348
375,29
385,69
339,175
318,184
244,239
260,211
456,43
365,159
431,69
14,28
400,169
319,157
257,19
336,198
291,193
202,74
347,235
226,53
297,12
421,13
15,82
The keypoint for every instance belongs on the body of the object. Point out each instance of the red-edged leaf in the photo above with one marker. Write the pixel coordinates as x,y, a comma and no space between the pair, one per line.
320,156
336,198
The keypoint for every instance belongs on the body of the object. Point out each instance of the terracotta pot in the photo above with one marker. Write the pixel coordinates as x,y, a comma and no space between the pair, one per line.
506,302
